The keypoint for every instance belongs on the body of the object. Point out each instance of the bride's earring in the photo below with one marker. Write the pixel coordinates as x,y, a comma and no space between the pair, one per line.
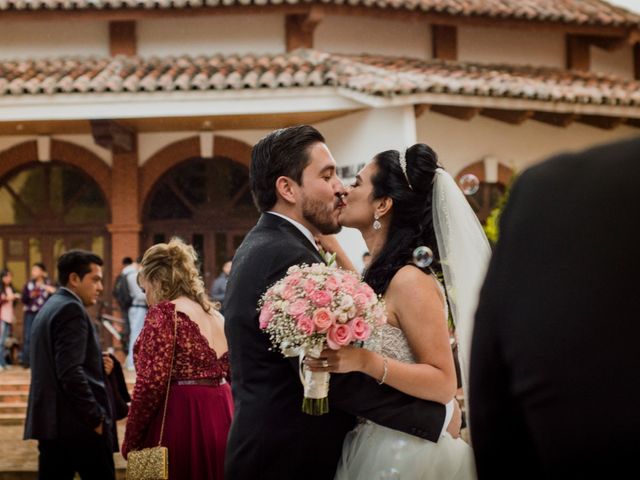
376,222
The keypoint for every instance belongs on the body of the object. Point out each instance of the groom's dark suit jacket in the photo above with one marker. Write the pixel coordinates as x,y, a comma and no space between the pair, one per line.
270,437
554,389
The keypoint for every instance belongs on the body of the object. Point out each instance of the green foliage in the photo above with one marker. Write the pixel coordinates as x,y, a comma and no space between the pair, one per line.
492,225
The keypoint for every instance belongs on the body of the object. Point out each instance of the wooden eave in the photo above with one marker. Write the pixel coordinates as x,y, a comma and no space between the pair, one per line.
625,33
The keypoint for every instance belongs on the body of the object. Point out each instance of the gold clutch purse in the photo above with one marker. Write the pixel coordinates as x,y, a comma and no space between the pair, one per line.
153,463
148,464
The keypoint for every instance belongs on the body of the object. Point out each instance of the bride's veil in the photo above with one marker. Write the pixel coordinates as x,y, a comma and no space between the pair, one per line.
464,255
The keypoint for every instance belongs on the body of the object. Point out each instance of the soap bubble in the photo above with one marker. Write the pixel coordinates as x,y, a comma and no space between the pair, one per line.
422,256
469,184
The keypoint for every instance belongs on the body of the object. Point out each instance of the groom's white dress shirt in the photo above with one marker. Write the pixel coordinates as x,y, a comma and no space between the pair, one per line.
305,231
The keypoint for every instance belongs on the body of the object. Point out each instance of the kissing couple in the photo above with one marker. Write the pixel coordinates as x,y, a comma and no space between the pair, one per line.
392,409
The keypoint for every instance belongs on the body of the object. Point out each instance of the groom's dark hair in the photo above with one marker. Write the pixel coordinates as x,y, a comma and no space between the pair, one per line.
283,152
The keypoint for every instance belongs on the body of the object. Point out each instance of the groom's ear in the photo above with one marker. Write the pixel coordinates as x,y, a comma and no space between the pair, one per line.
286,189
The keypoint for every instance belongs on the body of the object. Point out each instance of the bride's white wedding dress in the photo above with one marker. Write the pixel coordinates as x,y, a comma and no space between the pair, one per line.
374,452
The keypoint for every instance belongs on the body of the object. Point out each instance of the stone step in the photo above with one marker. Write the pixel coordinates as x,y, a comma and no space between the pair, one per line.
13,407
12,397
14,385
12,418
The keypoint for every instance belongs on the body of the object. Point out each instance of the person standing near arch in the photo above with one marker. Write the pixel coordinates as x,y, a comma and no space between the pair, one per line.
34,295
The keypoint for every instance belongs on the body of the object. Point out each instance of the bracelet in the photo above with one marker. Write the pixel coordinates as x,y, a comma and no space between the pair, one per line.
385,370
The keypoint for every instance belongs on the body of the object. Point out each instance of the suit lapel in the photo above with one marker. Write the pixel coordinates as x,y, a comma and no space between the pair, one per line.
268,220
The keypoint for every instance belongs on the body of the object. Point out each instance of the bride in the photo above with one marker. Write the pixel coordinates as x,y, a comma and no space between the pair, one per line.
401,201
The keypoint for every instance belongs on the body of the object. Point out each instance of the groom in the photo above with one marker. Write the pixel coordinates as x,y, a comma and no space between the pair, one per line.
294,184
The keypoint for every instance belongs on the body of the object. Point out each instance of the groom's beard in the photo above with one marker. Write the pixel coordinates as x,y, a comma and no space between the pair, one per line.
320,215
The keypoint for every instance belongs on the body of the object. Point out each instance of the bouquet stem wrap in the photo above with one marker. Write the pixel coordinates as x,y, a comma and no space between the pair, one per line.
316,389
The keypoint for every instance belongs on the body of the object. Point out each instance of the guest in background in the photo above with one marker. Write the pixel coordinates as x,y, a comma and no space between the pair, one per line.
219,286
34,294
137,310
199,409
8,299
123,297
366,261
554,354
68,409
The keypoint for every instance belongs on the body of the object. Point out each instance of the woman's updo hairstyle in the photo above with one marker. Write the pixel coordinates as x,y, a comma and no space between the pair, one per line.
411,215
172,269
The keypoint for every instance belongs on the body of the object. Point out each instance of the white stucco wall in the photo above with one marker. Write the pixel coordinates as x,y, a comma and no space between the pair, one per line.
27,40
208,35
460,143
617,62
347,34
355,139
511,46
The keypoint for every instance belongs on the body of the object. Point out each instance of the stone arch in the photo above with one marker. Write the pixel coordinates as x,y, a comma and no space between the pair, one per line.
479,169
176,152
65,152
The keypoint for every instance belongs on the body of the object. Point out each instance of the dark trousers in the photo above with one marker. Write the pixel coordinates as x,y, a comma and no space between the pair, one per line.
26,336
61,459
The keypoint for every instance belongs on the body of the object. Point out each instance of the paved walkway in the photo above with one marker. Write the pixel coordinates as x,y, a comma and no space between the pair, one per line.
19,458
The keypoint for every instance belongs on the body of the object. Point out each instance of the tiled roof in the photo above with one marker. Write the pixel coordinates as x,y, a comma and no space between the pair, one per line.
368,74
587,12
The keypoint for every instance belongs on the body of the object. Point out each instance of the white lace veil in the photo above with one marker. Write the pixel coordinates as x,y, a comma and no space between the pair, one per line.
464,255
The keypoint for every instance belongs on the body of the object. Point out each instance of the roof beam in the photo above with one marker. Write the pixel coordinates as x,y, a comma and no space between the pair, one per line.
515,117
461,113
602,122
122,38
113,136
420,108
444,42
577,56
299,29
555,119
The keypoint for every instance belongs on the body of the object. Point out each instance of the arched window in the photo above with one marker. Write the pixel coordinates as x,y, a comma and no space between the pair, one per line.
208,203
494,178
51,194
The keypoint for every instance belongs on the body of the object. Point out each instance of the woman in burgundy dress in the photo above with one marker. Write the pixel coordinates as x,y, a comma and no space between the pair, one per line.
200,407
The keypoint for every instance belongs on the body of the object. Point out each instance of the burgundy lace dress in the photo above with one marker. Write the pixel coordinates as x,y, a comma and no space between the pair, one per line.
200,407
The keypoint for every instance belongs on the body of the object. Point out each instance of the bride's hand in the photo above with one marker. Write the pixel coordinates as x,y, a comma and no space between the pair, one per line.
346,359
329,243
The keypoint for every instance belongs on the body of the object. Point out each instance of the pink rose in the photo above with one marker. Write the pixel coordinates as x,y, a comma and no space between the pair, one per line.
339,336
297,308
266,315
332,283
360,299
309,286
323,319
305,325
289,292
361,329
321,298
365,290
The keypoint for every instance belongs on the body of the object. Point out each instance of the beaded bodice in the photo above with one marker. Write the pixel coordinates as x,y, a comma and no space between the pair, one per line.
391,341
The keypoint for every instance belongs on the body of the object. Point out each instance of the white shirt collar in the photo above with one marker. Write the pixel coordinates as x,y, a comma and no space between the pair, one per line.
73,293
305,231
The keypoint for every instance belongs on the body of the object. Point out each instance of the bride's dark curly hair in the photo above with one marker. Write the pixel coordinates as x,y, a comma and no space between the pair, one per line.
411,215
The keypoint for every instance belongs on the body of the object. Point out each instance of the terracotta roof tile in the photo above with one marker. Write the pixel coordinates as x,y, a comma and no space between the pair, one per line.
368,74
591,12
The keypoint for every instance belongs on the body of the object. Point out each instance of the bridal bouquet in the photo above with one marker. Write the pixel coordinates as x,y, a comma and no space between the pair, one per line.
314,307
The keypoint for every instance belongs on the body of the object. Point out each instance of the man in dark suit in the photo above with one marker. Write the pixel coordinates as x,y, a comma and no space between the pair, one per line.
68,410
294,183
554,359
